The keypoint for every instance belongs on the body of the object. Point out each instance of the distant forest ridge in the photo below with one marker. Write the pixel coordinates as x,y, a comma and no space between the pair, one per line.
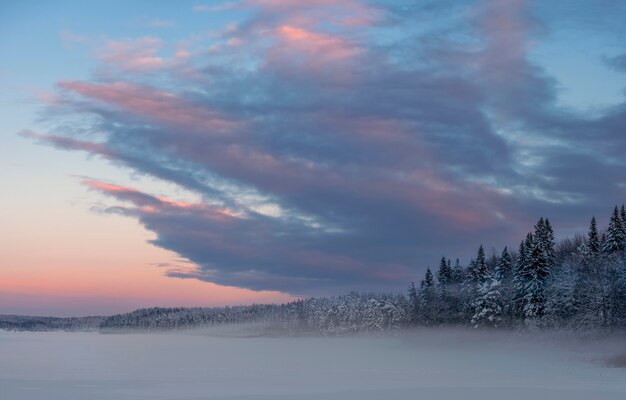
576,284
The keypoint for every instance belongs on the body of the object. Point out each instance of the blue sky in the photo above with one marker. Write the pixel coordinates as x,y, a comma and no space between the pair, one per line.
304,149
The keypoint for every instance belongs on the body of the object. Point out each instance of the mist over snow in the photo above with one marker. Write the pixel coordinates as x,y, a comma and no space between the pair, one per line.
429,364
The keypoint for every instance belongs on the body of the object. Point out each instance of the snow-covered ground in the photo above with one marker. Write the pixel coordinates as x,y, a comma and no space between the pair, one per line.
414,365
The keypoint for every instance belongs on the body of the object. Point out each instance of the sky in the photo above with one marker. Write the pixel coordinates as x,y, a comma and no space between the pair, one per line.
157,153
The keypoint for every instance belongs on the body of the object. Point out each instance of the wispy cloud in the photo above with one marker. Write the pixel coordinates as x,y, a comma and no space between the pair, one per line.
133,55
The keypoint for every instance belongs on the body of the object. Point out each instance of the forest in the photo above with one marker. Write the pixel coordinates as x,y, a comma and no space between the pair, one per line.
579,283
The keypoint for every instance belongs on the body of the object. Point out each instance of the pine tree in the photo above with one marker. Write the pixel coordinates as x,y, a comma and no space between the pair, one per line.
429,283
544,240
519,282
455,290
503,267
614,240
623,218
428,297
488,305
480,268
522,276
520,262
593,242
529,242
504,274
478,275
468,290
444,283
444,277
457,272
538,269
548,243
413,304
540,228
561,302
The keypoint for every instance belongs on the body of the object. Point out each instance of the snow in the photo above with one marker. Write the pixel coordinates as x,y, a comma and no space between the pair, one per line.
421,364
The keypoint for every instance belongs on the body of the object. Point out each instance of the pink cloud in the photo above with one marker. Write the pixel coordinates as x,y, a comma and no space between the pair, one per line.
133,55
71,144
325,45
344,13
154,204
315,52
154,104
296,106
507,26
291,4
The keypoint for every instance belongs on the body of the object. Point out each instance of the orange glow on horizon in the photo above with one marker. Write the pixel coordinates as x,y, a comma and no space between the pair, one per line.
78,263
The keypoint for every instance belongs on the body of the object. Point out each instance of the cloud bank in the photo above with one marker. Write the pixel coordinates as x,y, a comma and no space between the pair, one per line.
337,145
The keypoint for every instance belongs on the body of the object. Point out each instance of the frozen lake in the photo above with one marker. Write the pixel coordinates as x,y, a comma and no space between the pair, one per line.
196,365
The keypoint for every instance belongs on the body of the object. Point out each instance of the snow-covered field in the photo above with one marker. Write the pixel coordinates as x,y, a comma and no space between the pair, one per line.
413,365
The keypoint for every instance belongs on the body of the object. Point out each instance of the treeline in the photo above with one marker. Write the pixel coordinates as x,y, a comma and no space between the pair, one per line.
354,312
351,313
579,283
28,323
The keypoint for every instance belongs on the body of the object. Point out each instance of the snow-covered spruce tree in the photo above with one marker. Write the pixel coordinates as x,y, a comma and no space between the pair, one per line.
593,240
457,273
414,303
534,301
477,275
455,292
428,298
615,283
614,238
620,299
491,262
481,265
538,265
504,266
549,245
521,277
623,218
544,238
468,291
597,285
444,278
488,305
504,273
545,243
561,294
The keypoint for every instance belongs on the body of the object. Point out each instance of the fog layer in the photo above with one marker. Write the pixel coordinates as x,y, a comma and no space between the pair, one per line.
428,364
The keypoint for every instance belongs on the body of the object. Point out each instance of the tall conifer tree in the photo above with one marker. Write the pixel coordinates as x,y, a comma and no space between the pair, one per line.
503,267
593,241
614,240
428,297
444,276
